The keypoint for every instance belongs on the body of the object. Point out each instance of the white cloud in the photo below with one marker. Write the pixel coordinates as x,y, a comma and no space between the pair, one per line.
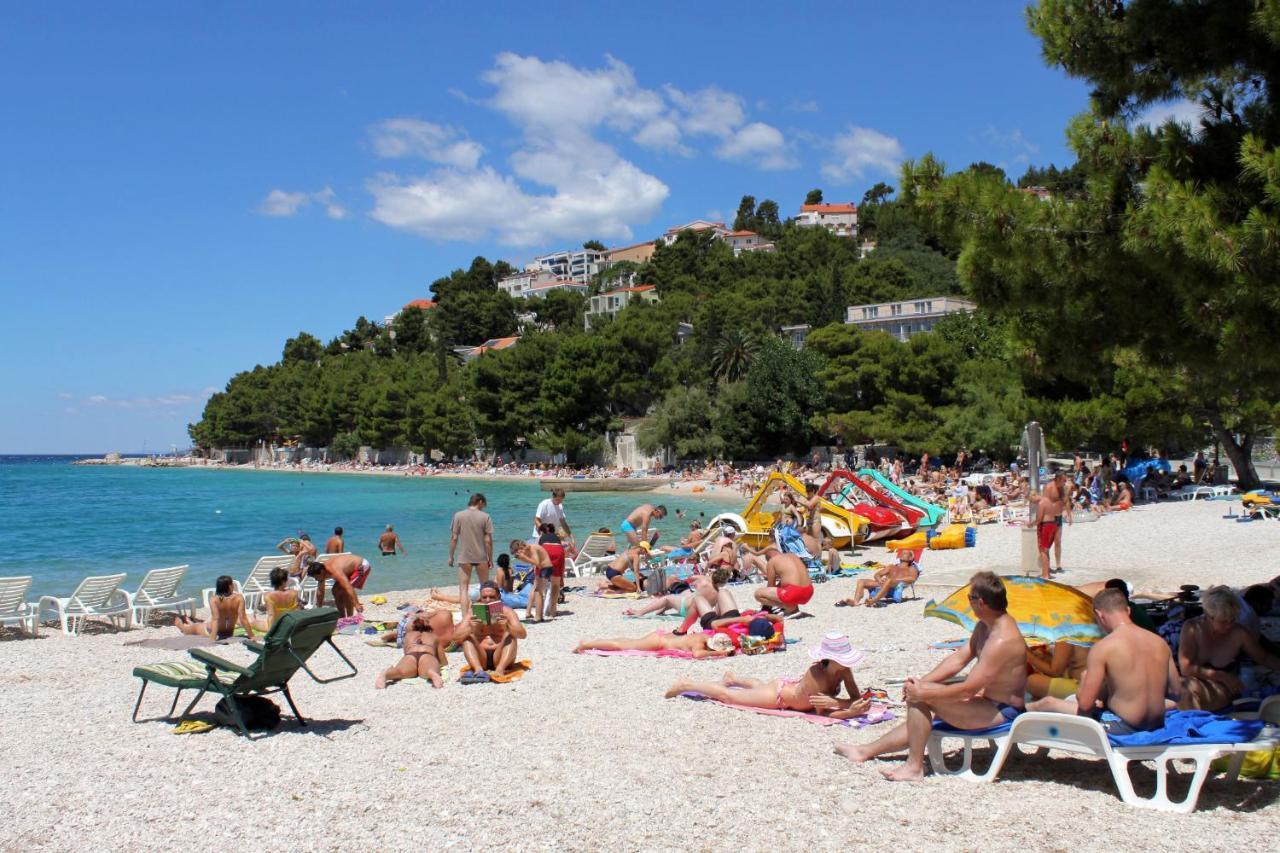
411,137
759,143
283,203
150,402
861,150
710,111
1182,112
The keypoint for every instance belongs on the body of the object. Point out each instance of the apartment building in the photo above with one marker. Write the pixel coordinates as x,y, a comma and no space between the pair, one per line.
906,318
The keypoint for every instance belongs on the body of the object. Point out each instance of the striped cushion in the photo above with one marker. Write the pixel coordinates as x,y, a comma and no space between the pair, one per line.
184,674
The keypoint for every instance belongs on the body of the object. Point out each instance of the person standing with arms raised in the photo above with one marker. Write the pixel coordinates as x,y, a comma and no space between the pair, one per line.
471,540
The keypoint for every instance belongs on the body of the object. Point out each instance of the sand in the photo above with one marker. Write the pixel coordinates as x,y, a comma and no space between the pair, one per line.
584,753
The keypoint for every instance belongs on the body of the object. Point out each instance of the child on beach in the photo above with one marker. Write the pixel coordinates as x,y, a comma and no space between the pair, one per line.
226,610
814,692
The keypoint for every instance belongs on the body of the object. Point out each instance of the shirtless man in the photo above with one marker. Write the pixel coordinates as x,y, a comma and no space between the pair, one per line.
492,647
787,582
815,692
636,525
348,574
226,611
615,572
389,543
990,695
335,544
1127,674
536,556
1047,519
699,645
883,581
1209,652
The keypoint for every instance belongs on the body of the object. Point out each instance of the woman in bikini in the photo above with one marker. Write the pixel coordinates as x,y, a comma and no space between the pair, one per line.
815,692
226,611
280,600
699,645
423,655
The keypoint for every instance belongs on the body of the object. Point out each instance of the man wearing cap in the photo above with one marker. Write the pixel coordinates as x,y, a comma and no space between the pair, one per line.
815,692
990,695
787,582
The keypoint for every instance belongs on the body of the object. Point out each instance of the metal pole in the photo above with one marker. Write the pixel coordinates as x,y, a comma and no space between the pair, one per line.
1033,447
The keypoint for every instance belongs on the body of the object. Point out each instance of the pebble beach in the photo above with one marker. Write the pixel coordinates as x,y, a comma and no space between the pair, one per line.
584,753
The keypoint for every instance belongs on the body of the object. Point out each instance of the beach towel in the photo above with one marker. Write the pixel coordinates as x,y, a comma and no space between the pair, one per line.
638,653
1192,727
876,714
516,672
177,644
599,594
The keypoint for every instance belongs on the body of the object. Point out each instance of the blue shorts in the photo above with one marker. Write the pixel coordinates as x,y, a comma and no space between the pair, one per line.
626,526
1009,712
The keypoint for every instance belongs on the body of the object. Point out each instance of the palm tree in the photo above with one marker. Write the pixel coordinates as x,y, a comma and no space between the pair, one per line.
733,354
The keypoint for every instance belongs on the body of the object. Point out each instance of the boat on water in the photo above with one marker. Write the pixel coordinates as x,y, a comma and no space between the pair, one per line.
601,484
755,524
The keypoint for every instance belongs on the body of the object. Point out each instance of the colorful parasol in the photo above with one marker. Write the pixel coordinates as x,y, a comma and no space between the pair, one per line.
1044,610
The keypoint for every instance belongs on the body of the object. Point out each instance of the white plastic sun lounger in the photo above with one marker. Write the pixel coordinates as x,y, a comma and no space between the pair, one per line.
593,554
159,591
14,608
95,596
1084,736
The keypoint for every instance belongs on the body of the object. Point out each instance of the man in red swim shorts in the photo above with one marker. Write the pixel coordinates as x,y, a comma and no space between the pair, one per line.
787,583
1047,517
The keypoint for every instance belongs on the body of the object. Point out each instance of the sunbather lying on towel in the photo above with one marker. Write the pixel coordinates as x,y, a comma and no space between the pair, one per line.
881,584
423,655
1127,674
699,645
814,692
991,694
226,611
711,600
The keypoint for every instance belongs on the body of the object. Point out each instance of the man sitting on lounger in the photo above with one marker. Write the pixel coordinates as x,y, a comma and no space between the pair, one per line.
1209,652
491,647
1127,674
815,692
699,645
881,584
787,582
991,694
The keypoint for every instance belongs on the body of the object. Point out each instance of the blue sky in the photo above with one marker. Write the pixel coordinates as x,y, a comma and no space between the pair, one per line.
184,186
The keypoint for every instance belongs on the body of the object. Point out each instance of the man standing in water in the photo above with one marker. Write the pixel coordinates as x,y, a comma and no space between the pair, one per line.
471,539
389,541
551,511
335,545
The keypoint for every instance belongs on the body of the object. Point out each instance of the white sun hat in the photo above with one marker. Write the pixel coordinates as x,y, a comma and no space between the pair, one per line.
837,647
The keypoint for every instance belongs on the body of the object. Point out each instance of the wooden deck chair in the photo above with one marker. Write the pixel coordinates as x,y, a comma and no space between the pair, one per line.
14,608
159,591
95,596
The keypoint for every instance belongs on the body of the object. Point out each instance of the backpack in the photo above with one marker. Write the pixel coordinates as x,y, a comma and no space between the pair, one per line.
258,712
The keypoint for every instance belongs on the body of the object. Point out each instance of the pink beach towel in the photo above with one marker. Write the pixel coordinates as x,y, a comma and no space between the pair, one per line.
877,713
637,653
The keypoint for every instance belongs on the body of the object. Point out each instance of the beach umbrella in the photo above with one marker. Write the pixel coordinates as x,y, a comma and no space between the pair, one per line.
1044,610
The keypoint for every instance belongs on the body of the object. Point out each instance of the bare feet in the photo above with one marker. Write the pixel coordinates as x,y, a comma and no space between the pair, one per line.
380,683
628,611
436,681
857,753
904,773
676,689
582,647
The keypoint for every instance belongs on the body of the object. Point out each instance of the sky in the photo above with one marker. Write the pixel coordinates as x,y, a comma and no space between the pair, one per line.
184,186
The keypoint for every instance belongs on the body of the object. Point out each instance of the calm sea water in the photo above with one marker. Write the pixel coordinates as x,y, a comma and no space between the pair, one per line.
61,522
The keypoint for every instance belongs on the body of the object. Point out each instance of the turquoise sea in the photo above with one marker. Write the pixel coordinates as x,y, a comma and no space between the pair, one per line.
61,522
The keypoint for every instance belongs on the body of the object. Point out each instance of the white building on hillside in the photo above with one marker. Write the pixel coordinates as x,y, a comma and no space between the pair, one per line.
538,282
611,302
906,318
579,265
696,226
840,219
747,241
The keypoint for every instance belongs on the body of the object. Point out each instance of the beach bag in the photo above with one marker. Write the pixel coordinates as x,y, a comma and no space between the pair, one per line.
1258,764
258,712
655,583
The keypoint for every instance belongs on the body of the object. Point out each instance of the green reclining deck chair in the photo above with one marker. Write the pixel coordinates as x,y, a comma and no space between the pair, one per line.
283,651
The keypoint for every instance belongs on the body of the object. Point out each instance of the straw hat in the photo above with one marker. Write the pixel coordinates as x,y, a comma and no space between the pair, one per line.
720,642
837,647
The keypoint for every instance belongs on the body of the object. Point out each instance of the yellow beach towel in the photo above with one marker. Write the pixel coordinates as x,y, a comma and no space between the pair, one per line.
517,671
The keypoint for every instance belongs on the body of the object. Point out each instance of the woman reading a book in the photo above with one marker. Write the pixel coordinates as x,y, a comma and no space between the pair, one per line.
490,643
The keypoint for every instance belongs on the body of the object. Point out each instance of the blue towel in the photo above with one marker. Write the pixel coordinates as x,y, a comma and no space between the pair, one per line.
1192,727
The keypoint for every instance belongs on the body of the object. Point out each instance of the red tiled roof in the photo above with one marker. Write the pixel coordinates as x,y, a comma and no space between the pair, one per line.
828,208
424,304
625,248
743,234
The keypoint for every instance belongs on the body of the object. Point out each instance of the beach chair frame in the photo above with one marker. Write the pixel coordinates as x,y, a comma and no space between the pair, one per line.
159,591
14,608
97,595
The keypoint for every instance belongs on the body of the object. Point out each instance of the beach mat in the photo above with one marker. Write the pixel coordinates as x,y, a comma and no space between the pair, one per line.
517,671
176,644
598,594
639,653
877,714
